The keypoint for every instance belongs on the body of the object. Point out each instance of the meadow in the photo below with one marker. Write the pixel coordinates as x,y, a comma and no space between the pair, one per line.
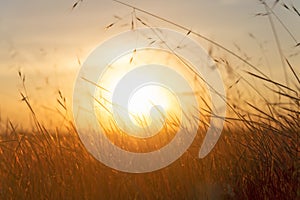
256,157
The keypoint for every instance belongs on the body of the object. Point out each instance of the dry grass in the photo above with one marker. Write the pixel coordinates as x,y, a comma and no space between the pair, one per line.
257,156
253,160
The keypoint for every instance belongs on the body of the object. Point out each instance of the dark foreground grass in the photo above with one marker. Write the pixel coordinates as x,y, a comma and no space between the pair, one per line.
257,164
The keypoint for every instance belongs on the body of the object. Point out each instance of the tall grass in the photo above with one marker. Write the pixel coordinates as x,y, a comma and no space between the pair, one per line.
257,156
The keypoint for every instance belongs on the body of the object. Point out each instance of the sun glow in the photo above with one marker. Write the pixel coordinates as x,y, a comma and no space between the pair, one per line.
149,107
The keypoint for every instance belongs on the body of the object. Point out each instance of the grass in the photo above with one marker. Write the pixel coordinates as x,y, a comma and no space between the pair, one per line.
257,156
253,160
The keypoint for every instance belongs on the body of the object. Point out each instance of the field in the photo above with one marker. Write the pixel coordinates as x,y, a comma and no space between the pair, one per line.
256,157
258,161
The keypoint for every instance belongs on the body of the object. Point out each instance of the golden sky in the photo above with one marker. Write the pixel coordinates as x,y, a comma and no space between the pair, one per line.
47,40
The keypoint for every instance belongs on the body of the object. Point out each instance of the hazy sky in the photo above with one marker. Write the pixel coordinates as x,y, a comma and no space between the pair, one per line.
44,39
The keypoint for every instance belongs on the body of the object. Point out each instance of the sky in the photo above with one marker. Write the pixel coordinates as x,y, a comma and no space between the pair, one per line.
48,41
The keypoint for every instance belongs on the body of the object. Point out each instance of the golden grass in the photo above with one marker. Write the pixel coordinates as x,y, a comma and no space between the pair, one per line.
257,156
252,162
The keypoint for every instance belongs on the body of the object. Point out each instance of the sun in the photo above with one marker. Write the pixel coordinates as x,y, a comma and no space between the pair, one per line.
151,104
142,107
